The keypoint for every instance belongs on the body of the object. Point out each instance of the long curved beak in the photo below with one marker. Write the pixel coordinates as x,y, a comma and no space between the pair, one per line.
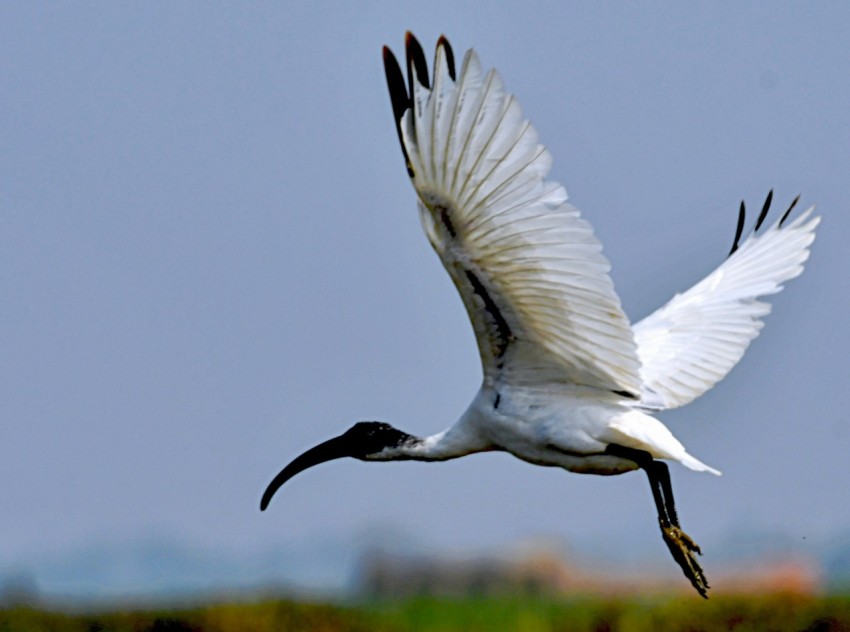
334,448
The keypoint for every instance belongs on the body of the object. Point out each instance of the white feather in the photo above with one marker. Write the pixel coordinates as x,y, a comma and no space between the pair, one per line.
693,341
490,214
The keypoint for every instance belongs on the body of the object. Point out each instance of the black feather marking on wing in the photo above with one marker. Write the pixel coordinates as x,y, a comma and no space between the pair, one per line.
742,214
415,63
788,212
445,217
399,97
625,394
764,210
500,331
450,56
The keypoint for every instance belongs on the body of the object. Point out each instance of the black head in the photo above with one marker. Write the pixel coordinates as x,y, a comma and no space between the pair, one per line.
365,440
369,439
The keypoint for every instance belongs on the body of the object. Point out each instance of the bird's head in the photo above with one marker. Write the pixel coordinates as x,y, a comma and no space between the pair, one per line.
366,440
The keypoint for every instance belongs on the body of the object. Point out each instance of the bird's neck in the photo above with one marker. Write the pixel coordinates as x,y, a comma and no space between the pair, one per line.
449,444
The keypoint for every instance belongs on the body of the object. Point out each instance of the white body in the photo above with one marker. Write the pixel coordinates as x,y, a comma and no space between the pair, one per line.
564,426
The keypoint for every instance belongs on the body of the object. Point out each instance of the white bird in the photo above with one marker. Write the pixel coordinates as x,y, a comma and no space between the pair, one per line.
567,382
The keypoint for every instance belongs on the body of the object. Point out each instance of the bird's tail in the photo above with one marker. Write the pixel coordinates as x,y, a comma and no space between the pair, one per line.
635,429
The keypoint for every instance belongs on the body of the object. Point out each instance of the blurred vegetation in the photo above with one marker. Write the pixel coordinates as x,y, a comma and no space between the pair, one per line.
741,614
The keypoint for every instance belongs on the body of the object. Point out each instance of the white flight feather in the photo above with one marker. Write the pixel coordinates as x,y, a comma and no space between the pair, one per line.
480,173
693,341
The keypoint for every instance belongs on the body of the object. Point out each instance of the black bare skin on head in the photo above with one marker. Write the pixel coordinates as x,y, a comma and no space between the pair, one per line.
370,437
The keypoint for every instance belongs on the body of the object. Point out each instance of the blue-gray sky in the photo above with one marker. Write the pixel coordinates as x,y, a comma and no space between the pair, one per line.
210,260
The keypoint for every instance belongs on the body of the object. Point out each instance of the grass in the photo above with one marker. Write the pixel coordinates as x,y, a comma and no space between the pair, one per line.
741,614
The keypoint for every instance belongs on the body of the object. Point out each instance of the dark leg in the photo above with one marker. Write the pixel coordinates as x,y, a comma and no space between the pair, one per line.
681,546
662,479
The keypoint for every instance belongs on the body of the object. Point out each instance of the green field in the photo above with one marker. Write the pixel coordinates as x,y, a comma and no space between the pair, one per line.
776,612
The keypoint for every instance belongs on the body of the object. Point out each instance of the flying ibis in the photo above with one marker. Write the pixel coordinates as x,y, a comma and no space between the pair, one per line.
567,380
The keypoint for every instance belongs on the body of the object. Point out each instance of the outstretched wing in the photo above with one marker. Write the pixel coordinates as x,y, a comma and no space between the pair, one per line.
529,270
693,341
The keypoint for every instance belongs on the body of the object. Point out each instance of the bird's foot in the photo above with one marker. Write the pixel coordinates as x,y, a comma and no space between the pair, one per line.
682,547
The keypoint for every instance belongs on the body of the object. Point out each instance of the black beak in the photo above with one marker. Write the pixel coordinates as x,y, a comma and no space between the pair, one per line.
335,448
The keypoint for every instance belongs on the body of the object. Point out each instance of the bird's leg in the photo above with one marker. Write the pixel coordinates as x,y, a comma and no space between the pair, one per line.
662,477
681,546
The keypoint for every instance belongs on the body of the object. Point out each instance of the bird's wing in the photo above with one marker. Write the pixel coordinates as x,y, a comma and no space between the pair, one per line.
693,341
529,270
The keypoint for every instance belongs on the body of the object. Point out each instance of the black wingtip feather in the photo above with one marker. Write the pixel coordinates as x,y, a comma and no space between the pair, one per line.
788,212
415,62
401,100
742,214
450,56
401,90
395,84
764,210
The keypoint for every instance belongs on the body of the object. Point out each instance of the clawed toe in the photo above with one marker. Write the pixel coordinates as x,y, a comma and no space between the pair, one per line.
682,547
677,533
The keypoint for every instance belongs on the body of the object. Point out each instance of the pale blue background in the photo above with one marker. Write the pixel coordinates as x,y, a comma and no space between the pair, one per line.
210,260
